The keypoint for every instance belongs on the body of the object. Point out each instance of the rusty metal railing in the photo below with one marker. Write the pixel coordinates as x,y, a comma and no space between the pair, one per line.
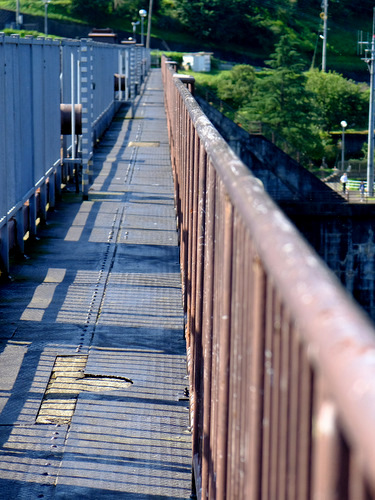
281,360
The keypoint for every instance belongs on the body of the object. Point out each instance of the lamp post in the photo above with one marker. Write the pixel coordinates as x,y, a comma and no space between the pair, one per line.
343,125
134,24
46,2
143,14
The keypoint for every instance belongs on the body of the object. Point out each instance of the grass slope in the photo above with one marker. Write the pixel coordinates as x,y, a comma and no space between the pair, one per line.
342,53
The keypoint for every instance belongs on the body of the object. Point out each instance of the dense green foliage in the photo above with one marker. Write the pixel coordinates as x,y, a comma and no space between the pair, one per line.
237,88
336,97
248,28
282,36
282,100
301,106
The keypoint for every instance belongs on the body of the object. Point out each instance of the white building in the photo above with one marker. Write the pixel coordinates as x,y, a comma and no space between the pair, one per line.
200,61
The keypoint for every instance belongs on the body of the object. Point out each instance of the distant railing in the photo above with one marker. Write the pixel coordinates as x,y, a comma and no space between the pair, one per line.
281,360
51,90
352,193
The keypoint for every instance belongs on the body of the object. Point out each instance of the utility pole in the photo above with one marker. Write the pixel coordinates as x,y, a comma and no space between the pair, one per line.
325,20
149,25
369,59
18,14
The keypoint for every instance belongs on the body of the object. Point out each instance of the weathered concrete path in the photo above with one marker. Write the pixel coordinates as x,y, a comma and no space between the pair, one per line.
92,354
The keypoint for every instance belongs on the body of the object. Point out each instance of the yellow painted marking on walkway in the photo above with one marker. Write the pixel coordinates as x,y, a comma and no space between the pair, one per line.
66,382
144,144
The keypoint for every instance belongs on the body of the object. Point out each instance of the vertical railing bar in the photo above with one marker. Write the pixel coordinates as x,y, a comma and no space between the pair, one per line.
329,457
185,211
234,444
4,144
195,332
20,230
245,279
224,359
119,60
78,81
275,415
357,485
256,395
215,338
294,375
208,327
268,361
304,429
190,330
284,389
190,193
198,442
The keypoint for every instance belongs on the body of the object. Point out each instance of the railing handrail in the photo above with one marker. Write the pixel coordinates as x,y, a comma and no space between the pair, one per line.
337,337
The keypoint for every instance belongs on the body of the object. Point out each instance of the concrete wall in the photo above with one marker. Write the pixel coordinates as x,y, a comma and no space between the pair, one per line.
345,239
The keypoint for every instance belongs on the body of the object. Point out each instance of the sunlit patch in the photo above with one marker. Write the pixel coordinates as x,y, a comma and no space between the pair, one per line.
144,144
43,295
66,383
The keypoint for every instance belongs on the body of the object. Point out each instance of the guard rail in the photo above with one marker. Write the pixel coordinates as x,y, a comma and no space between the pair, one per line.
281,360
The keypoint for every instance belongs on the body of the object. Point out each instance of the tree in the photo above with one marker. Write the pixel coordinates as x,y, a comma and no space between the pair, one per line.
222,20
129,8
236,87
281,100
337,99
91,11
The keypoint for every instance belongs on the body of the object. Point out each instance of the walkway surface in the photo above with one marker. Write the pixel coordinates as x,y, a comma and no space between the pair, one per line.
92,353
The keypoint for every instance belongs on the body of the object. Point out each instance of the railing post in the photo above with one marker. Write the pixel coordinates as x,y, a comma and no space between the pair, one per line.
326,479
4,263
20,231
4,251
87,114
224,325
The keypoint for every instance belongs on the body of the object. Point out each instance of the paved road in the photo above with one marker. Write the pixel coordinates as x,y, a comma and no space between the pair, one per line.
92,354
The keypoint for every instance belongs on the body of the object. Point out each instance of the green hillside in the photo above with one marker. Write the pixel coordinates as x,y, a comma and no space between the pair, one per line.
242,30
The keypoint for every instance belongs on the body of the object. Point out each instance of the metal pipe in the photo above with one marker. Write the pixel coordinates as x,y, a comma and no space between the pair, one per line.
73,111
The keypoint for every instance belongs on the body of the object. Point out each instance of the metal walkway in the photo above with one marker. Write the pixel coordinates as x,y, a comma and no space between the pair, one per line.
92,349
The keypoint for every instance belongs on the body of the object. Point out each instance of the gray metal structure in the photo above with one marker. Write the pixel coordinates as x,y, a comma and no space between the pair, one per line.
37,76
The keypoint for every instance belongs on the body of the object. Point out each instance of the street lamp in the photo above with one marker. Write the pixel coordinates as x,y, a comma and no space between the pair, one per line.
343,125
143,14
134,24
46,2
